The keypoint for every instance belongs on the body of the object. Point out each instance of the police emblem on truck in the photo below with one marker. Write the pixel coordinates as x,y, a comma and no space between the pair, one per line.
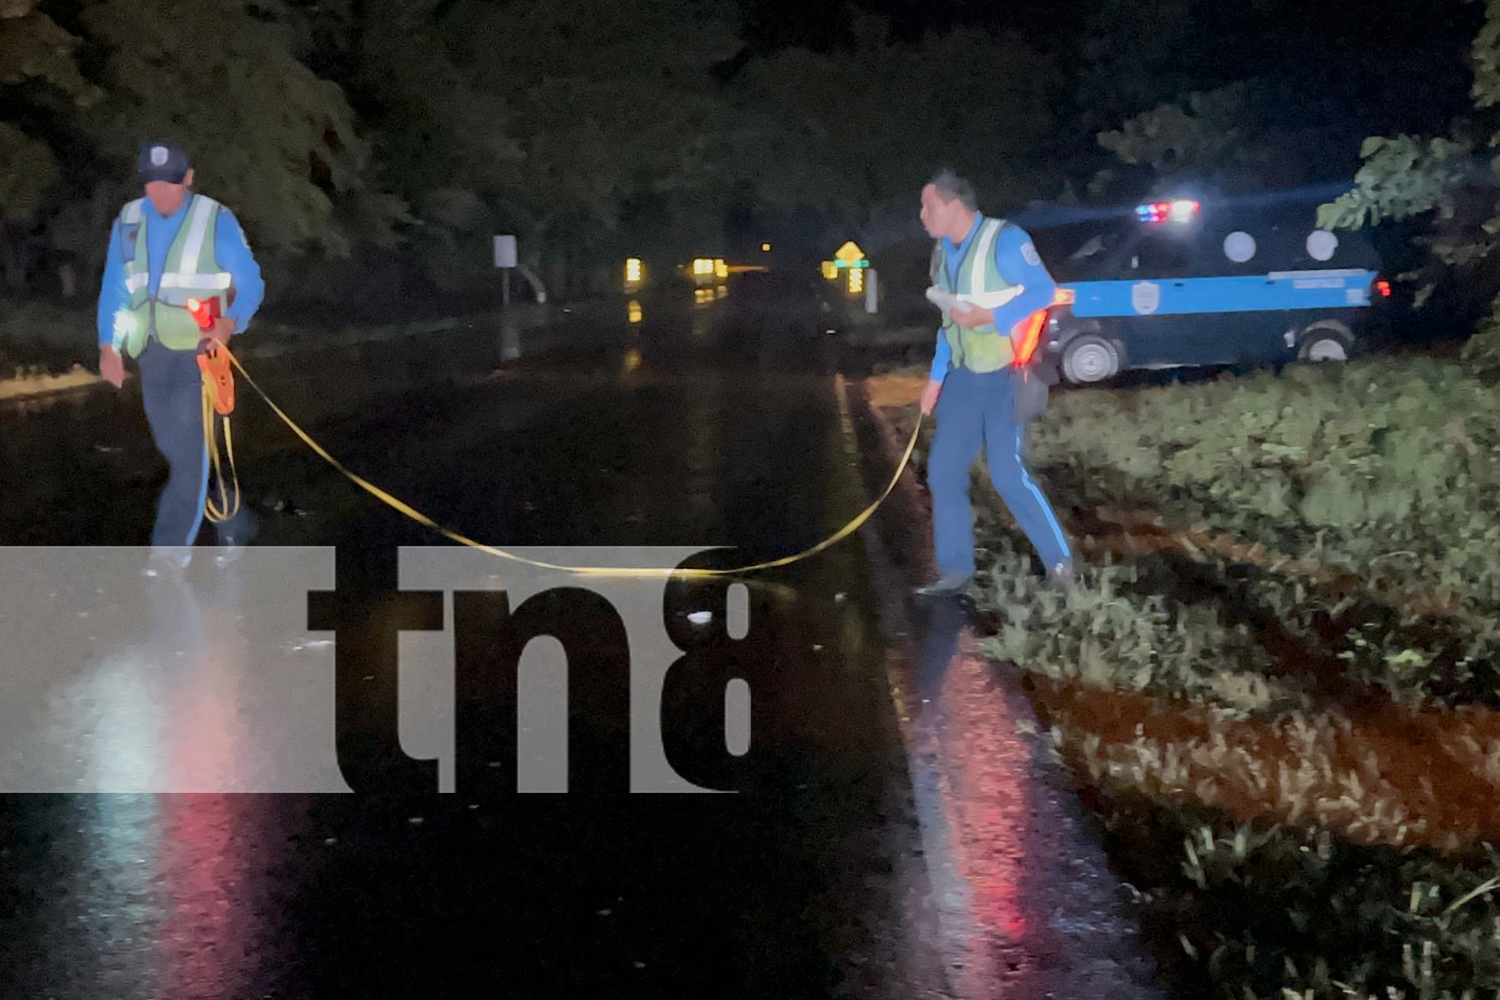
1145,297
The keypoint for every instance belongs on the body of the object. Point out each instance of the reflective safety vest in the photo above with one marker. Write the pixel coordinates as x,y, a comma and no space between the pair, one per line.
191,271
978,282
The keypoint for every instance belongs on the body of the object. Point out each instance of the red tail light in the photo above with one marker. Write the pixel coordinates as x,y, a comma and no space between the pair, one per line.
1383,288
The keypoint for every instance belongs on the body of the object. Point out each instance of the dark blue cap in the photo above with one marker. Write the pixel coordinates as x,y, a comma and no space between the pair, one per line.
162,160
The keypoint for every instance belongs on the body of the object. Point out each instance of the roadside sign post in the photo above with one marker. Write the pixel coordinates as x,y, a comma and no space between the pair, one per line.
505,259
850,259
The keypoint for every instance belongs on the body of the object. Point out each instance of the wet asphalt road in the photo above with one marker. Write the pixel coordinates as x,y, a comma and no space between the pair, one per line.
684,430
893,833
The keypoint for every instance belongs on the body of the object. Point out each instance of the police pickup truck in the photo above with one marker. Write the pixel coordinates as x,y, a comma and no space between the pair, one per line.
1178,283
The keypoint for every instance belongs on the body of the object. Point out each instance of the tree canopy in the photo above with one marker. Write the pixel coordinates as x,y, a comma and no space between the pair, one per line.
384,141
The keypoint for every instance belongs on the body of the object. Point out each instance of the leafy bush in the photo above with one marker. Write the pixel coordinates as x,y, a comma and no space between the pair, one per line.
1272,913
1319,498
1370,458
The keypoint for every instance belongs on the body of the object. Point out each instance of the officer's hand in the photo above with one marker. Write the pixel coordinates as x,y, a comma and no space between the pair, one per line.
930,397
111,366
972,316
222,330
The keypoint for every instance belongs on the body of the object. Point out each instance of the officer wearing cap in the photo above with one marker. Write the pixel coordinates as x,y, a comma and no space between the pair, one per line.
166,248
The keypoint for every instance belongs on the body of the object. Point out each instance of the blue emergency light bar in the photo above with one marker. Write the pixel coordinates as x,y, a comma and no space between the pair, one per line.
1180,211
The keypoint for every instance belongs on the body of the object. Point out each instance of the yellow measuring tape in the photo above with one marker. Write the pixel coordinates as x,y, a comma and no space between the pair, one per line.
614,571
223,510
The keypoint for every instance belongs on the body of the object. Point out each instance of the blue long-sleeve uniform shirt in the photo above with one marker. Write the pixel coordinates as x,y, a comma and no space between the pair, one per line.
230,247
1019,264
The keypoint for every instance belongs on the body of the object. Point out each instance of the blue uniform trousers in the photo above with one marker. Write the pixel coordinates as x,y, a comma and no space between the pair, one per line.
172,391
975,410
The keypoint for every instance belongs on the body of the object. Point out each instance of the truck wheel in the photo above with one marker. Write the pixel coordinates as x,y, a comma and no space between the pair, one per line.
1089,358
1325,341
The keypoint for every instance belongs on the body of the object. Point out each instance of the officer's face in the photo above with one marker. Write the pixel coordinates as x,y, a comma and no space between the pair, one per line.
938,216
167,197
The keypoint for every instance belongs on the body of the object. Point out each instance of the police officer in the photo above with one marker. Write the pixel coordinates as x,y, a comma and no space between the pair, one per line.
166,248
994,268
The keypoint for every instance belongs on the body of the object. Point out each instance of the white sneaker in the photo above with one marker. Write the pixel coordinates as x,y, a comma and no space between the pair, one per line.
1061,576
165,561
229,555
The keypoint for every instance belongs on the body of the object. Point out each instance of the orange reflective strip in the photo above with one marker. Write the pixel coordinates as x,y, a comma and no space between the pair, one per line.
1031,336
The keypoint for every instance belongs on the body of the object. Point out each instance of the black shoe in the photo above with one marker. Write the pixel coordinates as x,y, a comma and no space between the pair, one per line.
948,583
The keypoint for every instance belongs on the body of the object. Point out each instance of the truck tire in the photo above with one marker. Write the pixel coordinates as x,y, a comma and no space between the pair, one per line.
1326,340
1090,358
